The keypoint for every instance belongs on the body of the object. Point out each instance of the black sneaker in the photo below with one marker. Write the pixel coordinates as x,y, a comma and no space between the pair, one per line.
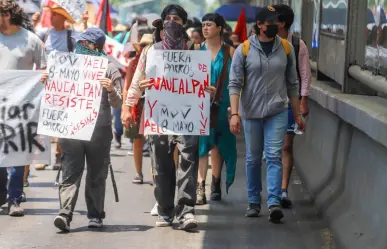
216,189
286,203
253,210
164,221
118,141
62,223
201,198
276,213
188,223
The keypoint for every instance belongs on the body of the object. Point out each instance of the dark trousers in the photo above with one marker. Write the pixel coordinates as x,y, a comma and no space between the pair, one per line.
162,148
96,152
15,184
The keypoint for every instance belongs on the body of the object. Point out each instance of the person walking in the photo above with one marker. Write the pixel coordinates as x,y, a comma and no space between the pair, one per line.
95,152
23,50
285,21
263,76
58,38
221,142
132,130
163,146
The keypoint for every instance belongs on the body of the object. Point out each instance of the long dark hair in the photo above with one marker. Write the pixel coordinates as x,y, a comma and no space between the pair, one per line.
14,9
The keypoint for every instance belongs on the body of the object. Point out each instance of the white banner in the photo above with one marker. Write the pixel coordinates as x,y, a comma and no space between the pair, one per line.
72,95
177,104
20,96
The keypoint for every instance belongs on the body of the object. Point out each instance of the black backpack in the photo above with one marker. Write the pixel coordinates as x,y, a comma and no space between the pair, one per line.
70,45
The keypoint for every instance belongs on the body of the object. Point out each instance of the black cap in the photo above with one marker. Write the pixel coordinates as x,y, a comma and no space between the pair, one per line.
267,13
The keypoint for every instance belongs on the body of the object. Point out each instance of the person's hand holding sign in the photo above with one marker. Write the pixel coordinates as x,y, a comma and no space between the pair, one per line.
107,84
211,90
144,84
44,78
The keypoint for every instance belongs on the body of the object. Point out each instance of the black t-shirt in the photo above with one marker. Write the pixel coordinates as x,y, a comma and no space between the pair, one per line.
267,47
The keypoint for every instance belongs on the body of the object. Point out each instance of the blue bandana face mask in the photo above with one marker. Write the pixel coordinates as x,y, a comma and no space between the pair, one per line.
80,49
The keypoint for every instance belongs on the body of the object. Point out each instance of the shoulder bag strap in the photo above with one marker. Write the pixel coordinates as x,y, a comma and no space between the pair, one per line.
223,76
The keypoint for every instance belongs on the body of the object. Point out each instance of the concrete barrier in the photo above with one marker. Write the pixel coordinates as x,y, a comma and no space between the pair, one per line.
342,158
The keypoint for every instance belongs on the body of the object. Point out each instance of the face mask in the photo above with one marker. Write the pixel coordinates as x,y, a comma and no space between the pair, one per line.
174,36
80,49
271,30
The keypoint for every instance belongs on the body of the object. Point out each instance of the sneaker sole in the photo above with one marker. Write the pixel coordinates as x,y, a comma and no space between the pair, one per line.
61,225
253,215
276,215
189,225
16,214
163,224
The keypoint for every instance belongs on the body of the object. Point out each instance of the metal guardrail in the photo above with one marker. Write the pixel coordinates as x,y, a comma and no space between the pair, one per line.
366,77
376,82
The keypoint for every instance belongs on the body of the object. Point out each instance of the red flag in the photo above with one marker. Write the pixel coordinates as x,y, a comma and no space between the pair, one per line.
241,29
46,15
103,20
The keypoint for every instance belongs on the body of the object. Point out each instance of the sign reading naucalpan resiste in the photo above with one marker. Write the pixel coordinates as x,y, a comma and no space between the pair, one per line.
177,103
20,95
72,95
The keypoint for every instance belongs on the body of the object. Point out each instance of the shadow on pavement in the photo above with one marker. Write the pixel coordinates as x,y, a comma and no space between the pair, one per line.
113,229
42,184
40,199
37,211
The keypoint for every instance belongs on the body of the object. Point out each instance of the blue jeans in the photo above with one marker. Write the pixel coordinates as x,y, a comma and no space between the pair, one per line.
265,135
15,184
118,128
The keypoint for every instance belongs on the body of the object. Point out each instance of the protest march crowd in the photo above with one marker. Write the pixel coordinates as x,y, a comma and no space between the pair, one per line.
186,91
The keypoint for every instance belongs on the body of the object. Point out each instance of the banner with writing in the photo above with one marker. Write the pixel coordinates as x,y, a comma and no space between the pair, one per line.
75,8
72,95
20,96
115,51
176,103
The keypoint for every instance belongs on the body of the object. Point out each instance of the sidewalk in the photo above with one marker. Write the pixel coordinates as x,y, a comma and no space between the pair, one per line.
129,224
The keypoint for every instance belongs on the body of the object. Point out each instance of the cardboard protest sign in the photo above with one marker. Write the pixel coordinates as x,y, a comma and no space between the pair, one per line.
115,50
72,95
75,8
20,96
177,104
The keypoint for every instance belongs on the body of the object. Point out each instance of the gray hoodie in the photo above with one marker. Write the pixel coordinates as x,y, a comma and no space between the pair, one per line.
270,80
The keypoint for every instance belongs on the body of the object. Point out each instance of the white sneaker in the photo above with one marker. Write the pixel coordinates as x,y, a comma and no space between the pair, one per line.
154,211
95,223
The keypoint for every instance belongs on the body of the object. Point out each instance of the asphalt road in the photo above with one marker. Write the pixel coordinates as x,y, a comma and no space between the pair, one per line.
129,224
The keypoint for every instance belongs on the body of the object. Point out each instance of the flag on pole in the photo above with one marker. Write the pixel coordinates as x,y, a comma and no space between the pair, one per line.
103,20
241,29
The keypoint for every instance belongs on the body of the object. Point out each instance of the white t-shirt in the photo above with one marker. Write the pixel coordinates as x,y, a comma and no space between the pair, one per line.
21,51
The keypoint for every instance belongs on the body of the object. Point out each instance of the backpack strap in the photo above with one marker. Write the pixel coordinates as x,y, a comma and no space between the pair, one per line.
70,45
286,46
220,82
245,48
245,52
